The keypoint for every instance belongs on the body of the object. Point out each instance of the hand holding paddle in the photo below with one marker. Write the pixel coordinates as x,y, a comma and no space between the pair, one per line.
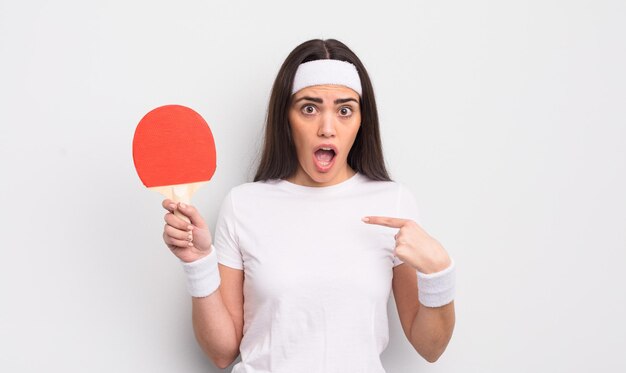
413,245
188,241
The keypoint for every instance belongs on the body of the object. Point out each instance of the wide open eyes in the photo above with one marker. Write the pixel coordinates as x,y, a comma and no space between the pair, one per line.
308,109
345,111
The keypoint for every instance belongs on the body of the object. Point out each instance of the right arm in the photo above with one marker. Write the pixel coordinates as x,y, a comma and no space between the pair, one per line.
218,317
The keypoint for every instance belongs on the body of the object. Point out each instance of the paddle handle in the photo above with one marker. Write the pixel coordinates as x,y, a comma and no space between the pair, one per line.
179,193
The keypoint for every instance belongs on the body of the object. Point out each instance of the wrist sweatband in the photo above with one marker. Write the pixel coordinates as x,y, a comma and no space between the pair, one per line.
321,72
203,276
437,289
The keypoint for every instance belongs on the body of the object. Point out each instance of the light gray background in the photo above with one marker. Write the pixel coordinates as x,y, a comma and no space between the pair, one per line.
506,119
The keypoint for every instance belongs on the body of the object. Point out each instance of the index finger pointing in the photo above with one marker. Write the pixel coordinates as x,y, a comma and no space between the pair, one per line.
386,221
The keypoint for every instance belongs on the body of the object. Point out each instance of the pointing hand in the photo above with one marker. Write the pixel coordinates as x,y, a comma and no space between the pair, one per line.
413,245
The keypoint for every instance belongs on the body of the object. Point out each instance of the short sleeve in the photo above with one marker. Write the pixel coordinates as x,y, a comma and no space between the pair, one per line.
226,241
406,209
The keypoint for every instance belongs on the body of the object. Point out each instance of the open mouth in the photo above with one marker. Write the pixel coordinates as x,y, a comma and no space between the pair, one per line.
324,157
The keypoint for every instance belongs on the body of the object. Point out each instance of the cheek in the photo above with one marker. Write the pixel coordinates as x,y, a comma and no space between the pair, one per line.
299,140
297,137
293,128
353,132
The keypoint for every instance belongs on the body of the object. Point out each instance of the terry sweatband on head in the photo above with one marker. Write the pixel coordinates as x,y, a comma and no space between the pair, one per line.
203,276
437,289
321,72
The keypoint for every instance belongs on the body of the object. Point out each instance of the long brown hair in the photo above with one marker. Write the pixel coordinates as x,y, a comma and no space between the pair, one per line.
279,159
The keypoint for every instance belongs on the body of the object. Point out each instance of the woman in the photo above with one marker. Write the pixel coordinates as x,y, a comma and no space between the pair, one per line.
321,236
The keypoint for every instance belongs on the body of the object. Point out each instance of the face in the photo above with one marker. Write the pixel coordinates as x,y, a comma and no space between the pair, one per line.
324,122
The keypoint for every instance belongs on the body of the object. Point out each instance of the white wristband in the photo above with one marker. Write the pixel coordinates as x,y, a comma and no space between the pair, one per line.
437,289
203,276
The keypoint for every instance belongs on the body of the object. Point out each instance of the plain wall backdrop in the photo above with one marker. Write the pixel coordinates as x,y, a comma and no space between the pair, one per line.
506,119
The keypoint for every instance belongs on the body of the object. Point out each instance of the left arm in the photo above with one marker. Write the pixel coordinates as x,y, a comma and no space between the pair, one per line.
431,331
428,329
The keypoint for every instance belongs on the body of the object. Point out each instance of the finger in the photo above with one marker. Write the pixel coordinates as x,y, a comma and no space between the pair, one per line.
402,233
385,221
177,233
177,243
177,222
193,215
400,242
169,205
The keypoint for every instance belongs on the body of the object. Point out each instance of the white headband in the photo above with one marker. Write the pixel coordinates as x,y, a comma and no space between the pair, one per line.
320,72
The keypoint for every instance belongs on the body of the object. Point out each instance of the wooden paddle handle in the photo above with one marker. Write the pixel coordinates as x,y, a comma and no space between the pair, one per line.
179,193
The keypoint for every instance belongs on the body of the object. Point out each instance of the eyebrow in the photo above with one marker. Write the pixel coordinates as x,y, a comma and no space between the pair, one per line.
344,100
320,101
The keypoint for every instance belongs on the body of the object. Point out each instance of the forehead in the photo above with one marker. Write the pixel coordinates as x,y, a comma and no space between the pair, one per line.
331,91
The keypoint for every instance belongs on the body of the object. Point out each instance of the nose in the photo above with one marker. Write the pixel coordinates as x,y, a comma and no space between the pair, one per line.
327,126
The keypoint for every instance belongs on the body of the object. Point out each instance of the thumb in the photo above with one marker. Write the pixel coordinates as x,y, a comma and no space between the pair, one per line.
192,213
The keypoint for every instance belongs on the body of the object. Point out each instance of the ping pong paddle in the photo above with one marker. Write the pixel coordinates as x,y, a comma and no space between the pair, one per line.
174,152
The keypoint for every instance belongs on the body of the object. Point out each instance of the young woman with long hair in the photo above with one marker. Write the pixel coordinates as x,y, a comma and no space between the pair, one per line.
299,273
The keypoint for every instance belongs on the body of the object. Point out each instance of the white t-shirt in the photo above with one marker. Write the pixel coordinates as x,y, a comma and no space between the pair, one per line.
317,279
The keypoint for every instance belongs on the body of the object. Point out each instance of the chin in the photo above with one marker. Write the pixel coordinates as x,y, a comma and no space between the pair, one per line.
319,177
